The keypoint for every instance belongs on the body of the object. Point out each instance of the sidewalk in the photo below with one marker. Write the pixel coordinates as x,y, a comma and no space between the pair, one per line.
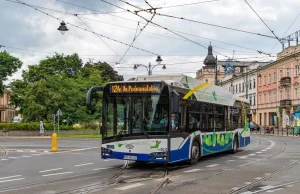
276,134
25,137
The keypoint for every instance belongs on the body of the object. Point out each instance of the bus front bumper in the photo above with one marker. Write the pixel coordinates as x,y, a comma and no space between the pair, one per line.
156,157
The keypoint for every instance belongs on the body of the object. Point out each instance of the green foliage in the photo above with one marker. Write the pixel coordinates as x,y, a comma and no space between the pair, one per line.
35,126
61,82
8,66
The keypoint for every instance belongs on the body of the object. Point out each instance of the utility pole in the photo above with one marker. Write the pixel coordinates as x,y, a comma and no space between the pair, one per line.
247,83
216,75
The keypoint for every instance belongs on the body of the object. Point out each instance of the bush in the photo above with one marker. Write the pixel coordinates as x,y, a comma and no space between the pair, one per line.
34,127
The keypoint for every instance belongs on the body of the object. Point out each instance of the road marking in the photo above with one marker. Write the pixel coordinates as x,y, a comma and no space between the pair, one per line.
19,151
258,152
11,180
212,165
130,186
36,154
258,178
57,173
12,157
51,170
10,177
102,168
264,150
4,159
268,148
252,154
32,151
243,157
247,183
46,151
235,188
193,170
83,164
26,156
274,190
230,160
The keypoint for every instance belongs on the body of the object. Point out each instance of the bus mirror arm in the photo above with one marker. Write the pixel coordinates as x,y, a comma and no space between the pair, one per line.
90,93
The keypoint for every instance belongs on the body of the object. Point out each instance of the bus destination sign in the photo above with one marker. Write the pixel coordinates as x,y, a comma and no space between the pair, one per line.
135,88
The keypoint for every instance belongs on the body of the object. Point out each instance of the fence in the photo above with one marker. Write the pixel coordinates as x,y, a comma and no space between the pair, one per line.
280,131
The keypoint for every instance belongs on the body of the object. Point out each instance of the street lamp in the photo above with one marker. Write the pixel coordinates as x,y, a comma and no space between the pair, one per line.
63,28
149,67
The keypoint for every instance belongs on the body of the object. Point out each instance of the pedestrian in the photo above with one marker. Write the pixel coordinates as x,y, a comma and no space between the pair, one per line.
42,128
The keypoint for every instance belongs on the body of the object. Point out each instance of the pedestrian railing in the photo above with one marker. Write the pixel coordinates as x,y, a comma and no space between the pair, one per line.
278,131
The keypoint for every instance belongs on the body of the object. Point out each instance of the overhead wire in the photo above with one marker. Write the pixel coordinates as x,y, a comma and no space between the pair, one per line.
76,14
263,21
286,31
121,58
87,29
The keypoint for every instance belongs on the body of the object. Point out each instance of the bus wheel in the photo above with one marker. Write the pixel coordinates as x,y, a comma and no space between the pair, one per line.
195,153
235,145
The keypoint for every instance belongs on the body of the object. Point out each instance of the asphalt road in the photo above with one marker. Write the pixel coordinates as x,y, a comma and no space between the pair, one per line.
268,165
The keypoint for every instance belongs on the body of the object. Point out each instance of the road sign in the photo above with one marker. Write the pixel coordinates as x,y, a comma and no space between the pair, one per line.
59,113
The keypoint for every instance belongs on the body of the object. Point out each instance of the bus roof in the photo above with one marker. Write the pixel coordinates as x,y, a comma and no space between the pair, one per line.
203,91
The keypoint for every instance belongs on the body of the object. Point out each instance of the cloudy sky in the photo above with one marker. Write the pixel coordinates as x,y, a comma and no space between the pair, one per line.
25,28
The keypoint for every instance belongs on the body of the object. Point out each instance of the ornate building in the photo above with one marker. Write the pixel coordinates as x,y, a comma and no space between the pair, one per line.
278,88
6,110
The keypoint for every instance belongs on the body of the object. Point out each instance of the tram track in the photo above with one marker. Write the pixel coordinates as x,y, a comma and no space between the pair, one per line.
208,177
4,153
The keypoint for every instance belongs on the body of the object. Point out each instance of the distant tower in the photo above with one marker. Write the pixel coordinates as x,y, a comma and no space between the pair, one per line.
210,60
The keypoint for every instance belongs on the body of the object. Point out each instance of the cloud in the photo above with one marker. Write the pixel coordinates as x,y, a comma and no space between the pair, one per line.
26,28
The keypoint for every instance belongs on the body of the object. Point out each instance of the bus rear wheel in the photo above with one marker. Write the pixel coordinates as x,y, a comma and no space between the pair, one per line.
195,153
235,145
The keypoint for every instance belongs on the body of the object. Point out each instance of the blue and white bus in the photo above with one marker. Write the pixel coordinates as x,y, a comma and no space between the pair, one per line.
169,119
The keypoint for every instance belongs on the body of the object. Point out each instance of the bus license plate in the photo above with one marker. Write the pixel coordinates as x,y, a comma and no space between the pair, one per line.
126,157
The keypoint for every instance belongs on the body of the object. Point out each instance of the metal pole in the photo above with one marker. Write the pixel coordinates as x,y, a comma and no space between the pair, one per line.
246,83
58,124
216,73
149,70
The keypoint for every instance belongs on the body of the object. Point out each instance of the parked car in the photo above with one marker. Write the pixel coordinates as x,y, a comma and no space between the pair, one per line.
16,120
254,126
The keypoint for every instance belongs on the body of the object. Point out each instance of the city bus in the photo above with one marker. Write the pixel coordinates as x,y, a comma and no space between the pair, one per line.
169,119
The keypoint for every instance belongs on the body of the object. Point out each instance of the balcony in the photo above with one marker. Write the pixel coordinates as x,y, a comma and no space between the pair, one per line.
285,103
285,81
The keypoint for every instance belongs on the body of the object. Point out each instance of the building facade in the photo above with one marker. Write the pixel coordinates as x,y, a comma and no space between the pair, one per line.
278,88
242,82
6,110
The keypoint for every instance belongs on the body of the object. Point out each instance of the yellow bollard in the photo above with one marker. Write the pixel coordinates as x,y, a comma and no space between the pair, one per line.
54,142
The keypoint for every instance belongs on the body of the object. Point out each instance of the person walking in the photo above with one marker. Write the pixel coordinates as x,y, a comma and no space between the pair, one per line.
42,128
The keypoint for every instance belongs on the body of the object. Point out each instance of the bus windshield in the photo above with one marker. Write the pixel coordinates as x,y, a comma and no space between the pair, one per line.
135,115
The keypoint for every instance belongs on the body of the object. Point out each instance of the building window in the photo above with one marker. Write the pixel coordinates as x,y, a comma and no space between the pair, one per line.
288,72
253,83
265,98
269,78
243,87
253,100
250,100
260,101
280,95
296,70
237,70
239,87
280,74
265,80
296,93
250,84
288,92
270,100
275,99
275,77
236,90
206,80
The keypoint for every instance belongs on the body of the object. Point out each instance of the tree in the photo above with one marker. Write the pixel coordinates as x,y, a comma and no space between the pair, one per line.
8,65
61,82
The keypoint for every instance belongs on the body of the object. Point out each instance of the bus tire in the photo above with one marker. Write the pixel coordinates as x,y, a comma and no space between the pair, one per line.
235,145
195,152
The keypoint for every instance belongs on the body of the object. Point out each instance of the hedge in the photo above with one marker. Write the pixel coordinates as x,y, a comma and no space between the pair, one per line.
36,127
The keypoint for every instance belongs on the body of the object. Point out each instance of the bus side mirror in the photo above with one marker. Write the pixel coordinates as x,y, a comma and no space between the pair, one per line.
90,93
175,102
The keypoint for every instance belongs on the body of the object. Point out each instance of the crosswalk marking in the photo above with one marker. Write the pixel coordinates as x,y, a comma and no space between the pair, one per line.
130,186
192,170
212,165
